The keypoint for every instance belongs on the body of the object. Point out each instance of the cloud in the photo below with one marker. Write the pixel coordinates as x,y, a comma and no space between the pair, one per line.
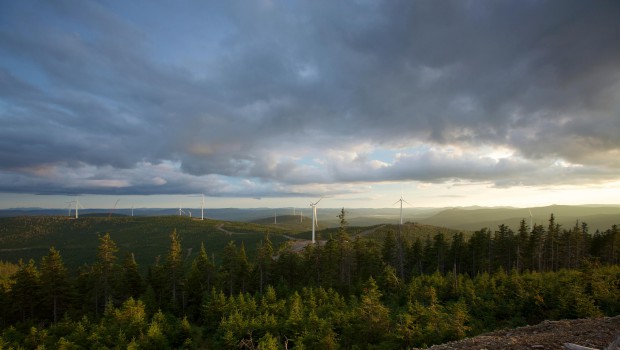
295,98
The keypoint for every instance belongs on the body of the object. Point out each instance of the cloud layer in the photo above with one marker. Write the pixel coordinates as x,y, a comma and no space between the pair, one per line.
279,98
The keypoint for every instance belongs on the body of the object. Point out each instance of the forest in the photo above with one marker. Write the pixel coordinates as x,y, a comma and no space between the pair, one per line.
349,292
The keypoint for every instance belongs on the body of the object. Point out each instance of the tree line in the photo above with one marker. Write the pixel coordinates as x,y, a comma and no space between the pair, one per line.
346,293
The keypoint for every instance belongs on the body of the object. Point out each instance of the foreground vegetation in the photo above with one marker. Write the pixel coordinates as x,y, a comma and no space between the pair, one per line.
346,293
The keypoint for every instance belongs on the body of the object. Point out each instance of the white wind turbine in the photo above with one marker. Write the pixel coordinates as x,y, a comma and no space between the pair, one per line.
314,218
181,212
401,200
202,208
77,206
69,208
531,219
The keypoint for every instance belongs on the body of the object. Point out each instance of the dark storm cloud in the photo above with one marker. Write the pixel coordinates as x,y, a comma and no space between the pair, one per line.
255,90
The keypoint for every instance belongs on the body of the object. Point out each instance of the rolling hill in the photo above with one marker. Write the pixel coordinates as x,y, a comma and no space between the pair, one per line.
597,217
148,237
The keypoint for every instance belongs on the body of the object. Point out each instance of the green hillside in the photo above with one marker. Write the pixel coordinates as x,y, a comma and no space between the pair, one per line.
30,237
286,222
146,237
597,217
413,231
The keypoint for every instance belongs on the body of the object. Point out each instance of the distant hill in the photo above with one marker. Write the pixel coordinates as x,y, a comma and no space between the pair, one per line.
360,216
597,217
30,237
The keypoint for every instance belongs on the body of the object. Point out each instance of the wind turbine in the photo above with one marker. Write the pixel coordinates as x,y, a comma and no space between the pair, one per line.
314,218
69,208
77,206
401,200
202,208
531,219
275,217
301,215
132,210
181,212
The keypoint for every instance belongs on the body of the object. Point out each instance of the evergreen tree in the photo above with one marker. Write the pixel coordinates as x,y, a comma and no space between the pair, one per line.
25,289
243,268
264,262
522,240
175,268
504,248
200,278
440,250
372,318
388,252
228,268
345,255
536,247
368,262
106,268
157,281
457,253
55,284
132,285
479,244
290,270
551,246
330,266
415,257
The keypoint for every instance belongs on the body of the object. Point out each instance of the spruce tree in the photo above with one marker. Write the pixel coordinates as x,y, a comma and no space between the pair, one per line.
174,267
132,284
264,262
55,284
25,290
106,267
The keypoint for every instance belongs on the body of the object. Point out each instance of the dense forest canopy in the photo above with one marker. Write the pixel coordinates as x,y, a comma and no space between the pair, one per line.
347,292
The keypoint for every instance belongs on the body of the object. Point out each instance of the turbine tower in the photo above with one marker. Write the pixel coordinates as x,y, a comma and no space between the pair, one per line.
314,218
275,217
401,200
531,220
202,208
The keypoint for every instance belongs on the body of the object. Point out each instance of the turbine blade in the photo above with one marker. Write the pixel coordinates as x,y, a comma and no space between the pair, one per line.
317,202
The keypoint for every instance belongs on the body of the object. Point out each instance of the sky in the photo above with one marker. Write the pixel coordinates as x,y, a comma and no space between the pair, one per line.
259,103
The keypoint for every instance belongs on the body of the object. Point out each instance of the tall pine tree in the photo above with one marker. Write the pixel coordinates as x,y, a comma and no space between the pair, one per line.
55,284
